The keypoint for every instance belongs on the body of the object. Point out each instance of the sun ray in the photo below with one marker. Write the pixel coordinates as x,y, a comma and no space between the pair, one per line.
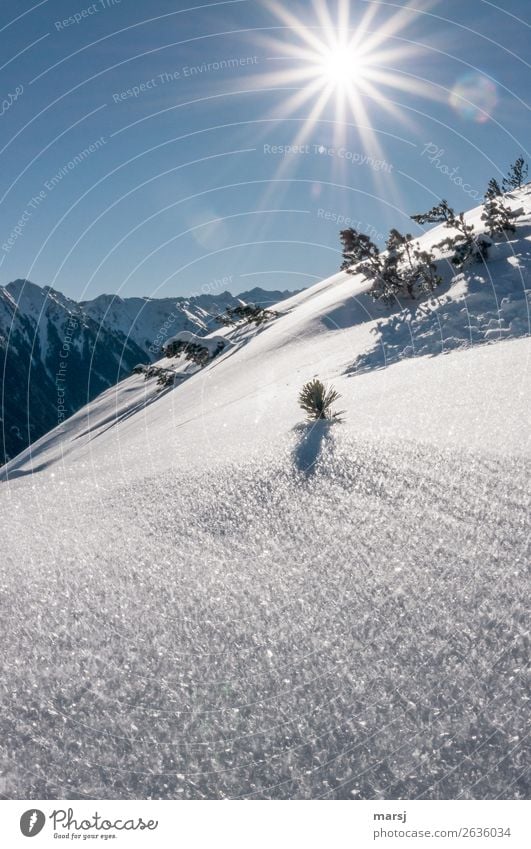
325,20
340,67
342,63
292,22
285,163
396,23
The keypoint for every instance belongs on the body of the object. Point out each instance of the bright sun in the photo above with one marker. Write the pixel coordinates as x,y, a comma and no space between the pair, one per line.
338,67
342,66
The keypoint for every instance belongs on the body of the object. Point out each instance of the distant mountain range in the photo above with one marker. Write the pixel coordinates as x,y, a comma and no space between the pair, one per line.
56,353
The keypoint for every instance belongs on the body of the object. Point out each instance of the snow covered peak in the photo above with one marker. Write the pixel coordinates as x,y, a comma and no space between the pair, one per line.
25,293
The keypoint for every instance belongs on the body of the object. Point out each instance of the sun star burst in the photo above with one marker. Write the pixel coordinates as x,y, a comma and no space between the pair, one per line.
335,66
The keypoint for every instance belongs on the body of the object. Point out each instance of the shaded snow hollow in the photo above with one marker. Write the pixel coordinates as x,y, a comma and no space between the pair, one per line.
217,600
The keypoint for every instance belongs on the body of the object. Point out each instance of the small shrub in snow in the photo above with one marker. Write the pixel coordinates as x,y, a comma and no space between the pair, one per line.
466,246
357,248
404,270
316,400
246,314
426,278
498,218
408,269
387,283
516,176
192,350
165,377
493,189
362,256
441,212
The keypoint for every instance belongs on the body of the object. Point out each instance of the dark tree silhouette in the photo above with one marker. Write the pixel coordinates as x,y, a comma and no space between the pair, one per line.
516,176
493,189
498,218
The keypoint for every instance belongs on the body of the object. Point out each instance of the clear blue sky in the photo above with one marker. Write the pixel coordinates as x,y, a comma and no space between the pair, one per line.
168,187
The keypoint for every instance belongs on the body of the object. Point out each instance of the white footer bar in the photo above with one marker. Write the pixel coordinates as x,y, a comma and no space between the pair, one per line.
266,825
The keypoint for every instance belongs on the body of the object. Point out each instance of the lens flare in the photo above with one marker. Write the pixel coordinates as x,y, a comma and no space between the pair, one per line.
474,98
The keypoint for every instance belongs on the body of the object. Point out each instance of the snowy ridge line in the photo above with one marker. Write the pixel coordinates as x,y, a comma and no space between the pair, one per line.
56,353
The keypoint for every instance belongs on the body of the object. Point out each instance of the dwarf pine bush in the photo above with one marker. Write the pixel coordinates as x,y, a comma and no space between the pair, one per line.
316,400
403,270
194,351
493,189
466,245
516,176
246,314
358,247
498,218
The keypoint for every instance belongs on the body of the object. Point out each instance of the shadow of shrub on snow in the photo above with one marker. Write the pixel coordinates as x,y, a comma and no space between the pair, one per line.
312,439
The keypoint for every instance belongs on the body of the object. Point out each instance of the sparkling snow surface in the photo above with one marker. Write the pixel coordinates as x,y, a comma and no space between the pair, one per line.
203,597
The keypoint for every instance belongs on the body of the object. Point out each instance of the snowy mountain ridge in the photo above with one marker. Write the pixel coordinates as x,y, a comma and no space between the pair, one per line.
42,332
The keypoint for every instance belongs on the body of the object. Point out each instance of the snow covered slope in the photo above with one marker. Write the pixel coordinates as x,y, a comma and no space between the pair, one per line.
148,321
218,600
56,352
